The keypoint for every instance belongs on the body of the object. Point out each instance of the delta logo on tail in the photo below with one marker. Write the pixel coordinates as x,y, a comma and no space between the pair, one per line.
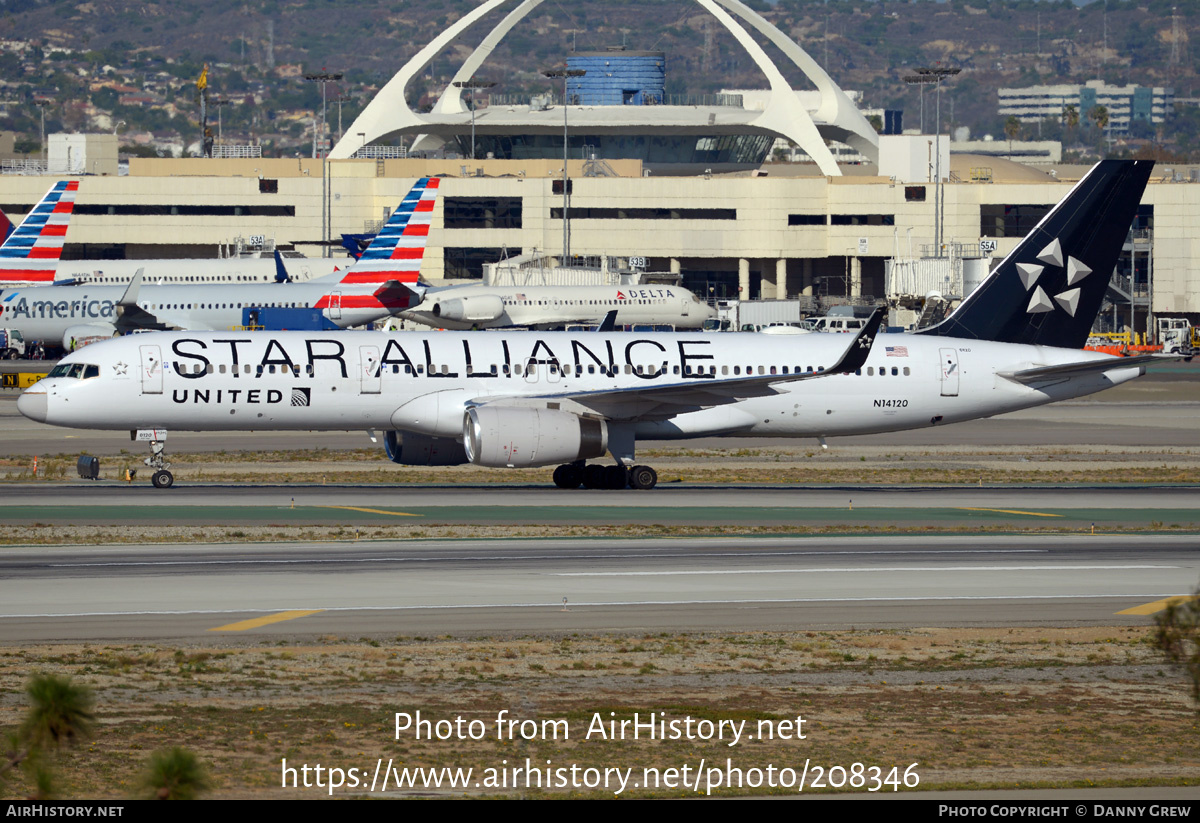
1048,291
31,253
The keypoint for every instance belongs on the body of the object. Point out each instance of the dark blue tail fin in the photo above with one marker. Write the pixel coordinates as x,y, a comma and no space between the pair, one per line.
1049,290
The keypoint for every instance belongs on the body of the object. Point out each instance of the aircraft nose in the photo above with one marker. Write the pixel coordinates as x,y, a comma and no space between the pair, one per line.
33,405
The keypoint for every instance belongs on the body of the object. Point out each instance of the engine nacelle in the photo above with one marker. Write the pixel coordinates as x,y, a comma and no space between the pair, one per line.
410,449
520,437
77,336
479,309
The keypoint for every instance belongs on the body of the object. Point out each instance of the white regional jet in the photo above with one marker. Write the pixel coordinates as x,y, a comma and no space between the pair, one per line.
498,307
515,399
32,255
376,286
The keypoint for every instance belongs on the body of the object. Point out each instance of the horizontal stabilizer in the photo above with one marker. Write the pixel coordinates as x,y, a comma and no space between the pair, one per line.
1086,367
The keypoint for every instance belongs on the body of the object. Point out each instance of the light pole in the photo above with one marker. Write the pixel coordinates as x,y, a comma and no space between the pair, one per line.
566,182
927,76
219,103
41,104
473,84
324,77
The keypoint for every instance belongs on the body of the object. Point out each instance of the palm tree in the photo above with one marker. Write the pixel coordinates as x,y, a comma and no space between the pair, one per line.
174,774
1071,118
1099,117
1012,127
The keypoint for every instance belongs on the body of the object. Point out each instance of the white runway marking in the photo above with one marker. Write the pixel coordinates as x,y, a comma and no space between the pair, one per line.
861,569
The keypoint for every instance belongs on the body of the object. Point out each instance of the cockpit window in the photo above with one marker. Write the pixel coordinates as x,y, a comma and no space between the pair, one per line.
80,371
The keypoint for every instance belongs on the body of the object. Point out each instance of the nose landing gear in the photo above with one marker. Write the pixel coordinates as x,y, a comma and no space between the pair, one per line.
162,479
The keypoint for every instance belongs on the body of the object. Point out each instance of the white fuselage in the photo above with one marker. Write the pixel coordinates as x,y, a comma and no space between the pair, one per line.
497,307
423,382
46,312
225,270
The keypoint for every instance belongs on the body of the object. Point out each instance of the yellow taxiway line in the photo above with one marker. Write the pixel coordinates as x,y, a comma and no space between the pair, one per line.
373,511
264,621
1156,606
1008,511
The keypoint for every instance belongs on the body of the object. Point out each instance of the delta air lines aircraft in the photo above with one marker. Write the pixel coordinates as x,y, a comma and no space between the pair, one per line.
517,399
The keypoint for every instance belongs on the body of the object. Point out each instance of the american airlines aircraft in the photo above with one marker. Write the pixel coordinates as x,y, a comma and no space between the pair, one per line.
517,399
499,307
376,286
32,255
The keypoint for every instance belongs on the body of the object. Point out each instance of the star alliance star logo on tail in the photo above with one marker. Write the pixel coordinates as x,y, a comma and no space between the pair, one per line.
1029,273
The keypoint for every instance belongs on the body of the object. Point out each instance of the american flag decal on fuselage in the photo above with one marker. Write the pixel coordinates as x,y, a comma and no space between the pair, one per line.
397,251
896,351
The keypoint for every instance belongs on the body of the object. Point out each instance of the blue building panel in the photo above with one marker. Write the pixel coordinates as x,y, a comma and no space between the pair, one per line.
617,78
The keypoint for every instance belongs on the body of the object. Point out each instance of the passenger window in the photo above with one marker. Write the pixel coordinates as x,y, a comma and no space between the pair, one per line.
725,370
906,371
895,371
870,371
221,368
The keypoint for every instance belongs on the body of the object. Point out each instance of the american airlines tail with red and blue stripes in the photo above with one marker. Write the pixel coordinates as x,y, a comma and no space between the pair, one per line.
397,251
31,253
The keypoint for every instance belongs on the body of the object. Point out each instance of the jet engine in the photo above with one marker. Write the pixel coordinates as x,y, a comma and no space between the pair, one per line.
410,449
520,437
478,309
76,336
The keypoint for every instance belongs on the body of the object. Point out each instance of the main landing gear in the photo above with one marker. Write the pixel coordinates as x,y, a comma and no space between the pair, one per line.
162,479
595,476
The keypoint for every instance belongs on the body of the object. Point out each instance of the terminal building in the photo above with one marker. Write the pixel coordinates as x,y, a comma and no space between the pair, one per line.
683,187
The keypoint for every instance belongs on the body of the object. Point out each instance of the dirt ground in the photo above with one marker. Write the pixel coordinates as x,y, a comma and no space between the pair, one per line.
951,708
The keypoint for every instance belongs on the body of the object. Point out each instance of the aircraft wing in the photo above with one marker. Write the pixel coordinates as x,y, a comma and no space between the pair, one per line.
663,401
1084,367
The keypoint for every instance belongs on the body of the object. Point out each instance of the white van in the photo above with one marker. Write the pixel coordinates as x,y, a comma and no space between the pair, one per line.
843,325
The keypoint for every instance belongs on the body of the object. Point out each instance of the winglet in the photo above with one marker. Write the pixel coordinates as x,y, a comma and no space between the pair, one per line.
281,272
610,322
858,351
129,298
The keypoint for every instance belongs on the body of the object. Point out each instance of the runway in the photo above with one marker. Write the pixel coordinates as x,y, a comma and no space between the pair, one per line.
469,587
741,506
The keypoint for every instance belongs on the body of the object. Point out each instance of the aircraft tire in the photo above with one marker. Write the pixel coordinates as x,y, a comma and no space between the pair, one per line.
643,477
593,476
615,477
162,479
568,476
